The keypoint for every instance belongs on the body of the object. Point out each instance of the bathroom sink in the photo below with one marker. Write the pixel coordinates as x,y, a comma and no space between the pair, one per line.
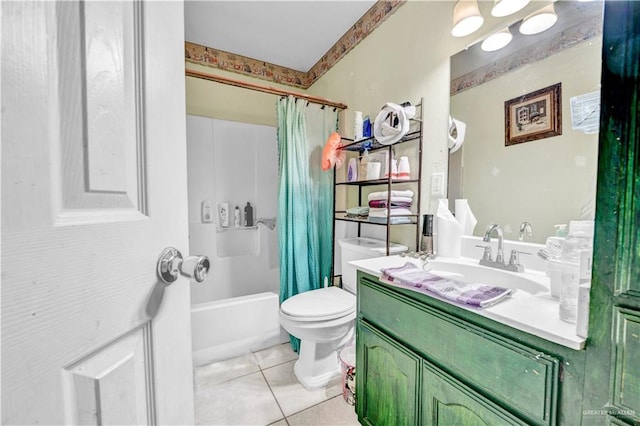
530,308
468,270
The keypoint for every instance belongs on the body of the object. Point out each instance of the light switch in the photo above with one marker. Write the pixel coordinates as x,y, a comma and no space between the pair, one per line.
437,183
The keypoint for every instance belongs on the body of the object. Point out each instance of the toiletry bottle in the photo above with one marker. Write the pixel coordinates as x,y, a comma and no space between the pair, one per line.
366,127
404,172
426,243
248,215
223,215
236,217
576,267
364,164
561,230
357,126
352,170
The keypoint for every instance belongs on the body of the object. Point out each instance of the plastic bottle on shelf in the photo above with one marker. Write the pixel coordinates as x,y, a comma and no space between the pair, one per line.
357,125
404,171
364,164
236,217
352,170
576,267
248,215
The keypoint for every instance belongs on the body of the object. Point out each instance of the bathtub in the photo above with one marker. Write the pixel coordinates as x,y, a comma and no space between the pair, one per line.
232,327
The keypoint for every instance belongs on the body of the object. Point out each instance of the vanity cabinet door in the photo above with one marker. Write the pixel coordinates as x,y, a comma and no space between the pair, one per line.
387,377
446,402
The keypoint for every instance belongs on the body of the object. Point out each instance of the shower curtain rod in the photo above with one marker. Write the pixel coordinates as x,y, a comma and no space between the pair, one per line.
265,89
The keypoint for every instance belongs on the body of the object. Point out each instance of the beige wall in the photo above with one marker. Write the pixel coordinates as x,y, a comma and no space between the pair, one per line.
547,181
215,100
406,58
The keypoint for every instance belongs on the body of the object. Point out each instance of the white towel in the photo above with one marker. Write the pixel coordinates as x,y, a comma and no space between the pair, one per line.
457,130
393,220
465,217
393,212
382,195
395,199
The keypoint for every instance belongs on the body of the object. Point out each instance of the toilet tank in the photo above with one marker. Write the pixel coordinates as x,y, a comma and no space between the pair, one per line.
362,248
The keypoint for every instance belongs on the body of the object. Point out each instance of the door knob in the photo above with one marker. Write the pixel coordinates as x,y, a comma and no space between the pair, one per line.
171,265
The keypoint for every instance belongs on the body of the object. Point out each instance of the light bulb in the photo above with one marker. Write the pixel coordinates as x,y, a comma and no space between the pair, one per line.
507,7
539,21
466,18
497,41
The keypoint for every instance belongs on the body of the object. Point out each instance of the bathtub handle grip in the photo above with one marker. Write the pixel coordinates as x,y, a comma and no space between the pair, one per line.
171,264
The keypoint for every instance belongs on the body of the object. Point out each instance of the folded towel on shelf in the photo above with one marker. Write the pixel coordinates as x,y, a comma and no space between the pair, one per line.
382,204
415,278
383,195
399,211
359,211
393,220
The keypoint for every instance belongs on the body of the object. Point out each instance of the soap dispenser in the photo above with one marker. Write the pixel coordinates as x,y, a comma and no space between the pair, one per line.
248,215
426,243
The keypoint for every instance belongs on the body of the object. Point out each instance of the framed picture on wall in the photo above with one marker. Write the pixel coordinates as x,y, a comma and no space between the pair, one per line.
533,116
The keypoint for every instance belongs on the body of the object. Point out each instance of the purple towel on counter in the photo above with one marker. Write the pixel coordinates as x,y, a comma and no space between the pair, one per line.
414,278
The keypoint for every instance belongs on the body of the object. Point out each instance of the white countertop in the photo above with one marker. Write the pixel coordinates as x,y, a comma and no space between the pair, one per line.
535,314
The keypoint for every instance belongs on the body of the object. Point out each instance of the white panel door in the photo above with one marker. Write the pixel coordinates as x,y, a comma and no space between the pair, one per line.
94,187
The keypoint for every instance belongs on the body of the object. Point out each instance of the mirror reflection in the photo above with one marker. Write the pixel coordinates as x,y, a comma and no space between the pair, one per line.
548,180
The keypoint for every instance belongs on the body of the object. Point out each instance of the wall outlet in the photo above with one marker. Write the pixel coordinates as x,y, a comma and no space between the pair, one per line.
437,183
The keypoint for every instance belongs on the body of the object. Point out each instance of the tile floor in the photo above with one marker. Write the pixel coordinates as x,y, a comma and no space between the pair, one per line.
260,389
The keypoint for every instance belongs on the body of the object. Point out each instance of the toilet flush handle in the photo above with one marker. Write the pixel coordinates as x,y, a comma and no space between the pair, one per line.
171,264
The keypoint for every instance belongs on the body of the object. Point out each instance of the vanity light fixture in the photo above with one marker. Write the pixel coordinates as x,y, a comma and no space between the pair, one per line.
466,18
539,21
507,7
497,40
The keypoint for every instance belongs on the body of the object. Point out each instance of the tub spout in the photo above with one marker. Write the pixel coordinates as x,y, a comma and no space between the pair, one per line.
268,222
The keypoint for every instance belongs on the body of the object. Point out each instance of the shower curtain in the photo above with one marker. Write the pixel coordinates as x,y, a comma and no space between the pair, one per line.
305,197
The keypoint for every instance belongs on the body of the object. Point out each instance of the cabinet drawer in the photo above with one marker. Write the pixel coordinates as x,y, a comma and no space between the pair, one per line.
521,377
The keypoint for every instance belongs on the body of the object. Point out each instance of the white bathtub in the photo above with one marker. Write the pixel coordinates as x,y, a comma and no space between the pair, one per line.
232,327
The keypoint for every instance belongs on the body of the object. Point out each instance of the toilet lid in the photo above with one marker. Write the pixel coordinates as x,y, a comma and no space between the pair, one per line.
326,303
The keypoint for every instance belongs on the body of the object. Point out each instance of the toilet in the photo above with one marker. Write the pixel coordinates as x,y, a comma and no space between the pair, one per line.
324,319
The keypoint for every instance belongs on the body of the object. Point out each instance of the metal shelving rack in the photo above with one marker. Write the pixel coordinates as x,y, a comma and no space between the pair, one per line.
413,136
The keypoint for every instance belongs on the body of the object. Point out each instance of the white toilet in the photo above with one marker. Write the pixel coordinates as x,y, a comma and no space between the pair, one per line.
324,319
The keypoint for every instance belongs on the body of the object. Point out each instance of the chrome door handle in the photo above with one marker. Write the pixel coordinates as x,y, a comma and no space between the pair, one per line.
171,265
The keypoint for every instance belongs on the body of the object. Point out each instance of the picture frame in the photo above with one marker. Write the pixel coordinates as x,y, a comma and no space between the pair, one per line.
536,115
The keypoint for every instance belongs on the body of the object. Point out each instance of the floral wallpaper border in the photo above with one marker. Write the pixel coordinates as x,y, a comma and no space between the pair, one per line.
568,38
227,61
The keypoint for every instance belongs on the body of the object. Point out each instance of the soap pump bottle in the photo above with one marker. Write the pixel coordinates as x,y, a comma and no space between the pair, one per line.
426,244
248,215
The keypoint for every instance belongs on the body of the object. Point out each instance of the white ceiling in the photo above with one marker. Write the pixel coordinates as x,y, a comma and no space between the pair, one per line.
293,34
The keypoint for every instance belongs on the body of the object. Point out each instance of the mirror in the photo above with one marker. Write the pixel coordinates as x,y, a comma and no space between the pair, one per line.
546,181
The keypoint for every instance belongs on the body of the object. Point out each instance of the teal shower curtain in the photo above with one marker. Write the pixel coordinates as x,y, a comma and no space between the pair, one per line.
305,198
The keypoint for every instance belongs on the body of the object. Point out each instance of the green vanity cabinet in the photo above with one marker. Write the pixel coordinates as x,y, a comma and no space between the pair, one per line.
430,362
390,381
447,401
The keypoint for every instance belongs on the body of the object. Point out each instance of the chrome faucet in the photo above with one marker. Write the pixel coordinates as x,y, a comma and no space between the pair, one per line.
487,239
525,229
514,261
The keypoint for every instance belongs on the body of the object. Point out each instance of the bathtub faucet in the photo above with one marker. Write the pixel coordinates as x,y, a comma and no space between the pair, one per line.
268,222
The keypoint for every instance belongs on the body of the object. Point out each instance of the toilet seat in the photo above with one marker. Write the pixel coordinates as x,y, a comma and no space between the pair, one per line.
317,305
